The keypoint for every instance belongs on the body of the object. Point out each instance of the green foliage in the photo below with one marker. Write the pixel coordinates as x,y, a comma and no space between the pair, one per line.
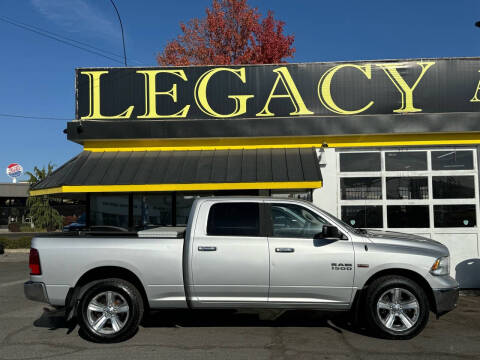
42,214
39,209
27,228
40,174
16,243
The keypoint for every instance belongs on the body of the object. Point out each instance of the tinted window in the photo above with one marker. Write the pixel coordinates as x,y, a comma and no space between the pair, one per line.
290,220
407,188
453,187
152,210
408,216
360,161
363,216
452,160
363,188
109,210
183,206
406,161
454,215
234,219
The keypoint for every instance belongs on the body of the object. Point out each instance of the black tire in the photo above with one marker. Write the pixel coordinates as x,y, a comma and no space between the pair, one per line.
408,320
121,292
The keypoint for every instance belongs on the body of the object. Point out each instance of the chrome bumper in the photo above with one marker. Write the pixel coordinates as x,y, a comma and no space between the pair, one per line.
445,300
35,291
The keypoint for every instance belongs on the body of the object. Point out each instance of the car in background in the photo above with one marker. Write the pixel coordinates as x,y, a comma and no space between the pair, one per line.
80,224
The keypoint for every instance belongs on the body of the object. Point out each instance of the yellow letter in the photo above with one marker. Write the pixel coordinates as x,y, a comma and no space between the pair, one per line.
201,94
94,106
292,94
325,94
475,97
402,86
151,94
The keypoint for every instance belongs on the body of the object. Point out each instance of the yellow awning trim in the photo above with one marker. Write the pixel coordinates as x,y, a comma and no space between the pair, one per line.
178,187
284,142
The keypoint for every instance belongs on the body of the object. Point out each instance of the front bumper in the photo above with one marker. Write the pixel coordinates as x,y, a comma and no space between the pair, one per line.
445,300
35,291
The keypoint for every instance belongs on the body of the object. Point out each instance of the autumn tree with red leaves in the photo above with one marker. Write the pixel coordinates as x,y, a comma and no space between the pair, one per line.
231,33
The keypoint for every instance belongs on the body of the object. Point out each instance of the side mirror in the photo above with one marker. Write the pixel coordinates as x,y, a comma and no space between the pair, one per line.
330,232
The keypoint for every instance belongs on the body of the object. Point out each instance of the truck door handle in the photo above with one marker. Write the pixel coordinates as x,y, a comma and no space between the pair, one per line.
284,250
207,248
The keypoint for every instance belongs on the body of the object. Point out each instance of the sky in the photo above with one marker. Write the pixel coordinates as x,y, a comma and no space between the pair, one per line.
37,73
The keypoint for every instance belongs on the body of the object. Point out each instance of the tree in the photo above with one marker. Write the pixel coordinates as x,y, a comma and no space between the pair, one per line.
43,215
231,33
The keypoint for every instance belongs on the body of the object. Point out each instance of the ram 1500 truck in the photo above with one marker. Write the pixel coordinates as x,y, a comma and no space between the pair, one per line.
244,252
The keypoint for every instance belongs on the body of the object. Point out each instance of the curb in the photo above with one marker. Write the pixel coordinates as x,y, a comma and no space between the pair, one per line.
17,251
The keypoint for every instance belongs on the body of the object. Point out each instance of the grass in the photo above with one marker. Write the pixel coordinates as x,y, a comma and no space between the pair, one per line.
22,242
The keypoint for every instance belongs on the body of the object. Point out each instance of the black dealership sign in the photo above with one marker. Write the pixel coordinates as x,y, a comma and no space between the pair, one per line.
279,91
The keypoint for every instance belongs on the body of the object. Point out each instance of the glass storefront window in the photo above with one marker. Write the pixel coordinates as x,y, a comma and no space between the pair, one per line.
369,161
450,196
109,210
453,187
4,214
184,203
292,194
452,160
152,210
407,188
454,216
408,216
406,161
361,188
363,216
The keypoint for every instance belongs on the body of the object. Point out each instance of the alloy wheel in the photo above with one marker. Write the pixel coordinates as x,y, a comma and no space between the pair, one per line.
107,312
398,309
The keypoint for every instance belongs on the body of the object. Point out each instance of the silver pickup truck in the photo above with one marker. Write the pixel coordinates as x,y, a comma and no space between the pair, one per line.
244,252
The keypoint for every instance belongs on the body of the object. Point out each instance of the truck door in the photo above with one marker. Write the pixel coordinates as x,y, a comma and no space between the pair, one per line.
304,268
230,259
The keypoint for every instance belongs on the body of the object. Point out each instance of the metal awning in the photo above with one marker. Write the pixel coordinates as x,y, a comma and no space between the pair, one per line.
192,170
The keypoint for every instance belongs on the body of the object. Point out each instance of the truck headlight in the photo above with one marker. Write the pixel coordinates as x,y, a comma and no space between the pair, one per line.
441,266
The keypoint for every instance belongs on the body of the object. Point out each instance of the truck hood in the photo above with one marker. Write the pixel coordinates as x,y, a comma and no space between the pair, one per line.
402,239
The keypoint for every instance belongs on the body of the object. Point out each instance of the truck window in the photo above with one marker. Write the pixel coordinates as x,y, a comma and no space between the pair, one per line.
290,220
234,219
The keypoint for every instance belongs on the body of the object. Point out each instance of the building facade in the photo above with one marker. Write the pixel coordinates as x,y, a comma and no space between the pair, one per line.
387,145
13,201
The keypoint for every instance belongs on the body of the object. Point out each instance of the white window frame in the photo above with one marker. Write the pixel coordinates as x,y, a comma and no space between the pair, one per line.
429,173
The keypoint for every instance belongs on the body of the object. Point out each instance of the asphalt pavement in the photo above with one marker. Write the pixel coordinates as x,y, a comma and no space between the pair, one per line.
30,330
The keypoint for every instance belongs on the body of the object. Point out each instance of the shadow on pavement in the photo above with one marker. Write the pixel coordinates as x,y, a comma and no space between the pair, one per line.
55,319
338,321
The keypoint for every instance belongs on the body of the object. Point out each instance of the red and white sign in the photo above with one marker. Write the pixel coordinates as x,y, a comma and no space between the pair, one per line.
14,170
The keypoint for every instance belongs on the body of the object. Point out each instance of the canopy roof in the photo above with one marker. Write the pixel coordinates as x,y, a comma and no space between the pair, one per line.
193,170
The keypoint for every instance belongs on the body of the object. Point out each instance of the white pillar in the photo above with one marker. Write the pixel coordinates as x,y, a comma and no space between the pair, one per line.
326,197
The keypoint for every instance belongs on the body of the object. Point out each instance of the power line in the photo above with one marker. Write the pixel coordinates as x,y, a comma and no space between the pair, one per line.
7,19
34,117
57,38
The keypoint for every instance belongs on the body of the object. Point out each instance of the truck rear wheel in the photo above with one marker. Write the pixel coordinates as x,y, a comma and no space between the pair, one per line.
110,311
397,307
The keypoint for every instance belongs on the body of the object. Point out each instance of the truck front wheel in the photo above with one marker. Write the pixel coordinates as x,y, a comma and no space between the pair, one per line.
397,307
110,310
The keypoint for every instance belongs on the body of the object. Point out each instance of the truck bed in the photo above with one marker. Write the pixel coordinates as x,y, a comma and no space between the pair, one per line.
156,260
